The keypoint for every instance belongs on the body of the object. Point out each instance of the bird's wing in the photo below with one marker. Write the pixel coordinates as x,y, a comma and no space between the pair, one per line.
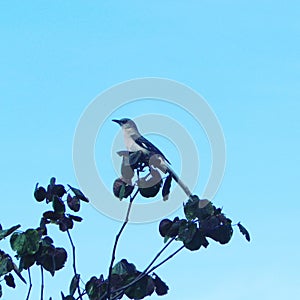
144,143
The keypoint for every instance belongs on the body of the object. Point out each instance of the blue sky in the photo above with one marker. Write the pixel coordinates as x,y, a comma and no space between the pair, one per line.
241,56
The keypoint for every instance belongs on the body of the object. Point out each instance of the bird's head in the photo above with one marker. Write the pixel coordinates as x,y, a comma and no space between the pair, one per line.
126,124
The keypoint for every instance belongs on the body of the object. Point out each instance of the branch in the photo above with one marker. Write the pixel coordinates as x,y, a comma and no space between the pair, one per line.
74,263
42,283
116,244
30,284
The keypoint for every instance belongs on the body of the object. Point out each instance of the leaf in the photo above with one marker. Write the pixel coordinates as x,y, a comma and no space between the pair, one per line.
7,232
74,284
58,190
58,205
26,262
166,188
10,281
78,193
51,258
65,223
198,240
40,193
17,271
75,218
123,267
191,207
95,288
51,215
186,232
73,203
6,263
25,243
122,192
244,231
161,287
144,287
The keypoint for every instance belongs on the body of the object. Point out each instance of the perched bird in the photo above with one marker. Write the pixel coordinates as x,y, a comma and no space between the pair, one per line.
134,141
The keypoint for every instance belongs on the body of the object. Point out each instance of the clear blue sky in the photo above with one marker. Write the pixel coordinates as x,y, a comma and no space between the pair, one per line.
242,56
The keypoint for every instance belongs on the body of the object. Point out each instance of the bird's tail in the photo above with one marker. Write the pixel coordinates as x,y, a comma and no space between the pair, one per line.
166,168
179,182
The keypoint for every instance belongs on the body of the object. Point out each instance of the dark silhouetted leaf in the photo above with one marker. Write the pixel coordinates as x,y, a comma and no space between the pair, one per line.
26,262
197,241
167,187
1,291
58,190
40,193
206,209
244,231
65,223
51,258
58,206
78,193
10,281
161,287
7,232
73,203
17,271
25,243
51,215
141,289
164,227
75,218
6,264
74,284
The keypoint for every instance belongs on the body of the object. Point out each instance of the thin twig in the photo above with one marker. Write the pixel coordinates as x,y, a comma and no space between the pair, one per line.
30,284
74,263
145,274
116,244
42,283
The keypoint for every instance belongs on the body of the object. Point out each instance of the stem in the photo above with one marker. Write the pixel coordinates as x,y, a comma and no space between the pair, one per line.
42,283
146,273
116,243
30,284
74,263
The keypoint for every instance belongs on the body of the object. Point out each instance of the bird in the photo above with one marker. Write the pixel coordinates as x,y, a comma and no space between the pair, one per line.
135,141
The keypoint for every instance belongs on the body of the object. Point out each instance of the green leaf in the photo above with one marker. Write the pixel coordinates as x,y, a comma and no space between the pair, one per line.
95,288
7,232
122,192
78,193
74,284
187,230
206,209
244,231
6,263
58,206
123,267
25,243
191,207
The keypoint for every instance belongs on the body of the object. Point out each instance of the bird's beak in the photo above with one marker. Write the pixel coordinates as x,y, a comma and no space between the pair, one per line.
117,121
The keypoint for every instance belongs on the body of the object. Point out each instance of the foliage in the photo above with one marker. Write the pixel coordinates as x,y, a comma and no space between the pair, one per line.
33,247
